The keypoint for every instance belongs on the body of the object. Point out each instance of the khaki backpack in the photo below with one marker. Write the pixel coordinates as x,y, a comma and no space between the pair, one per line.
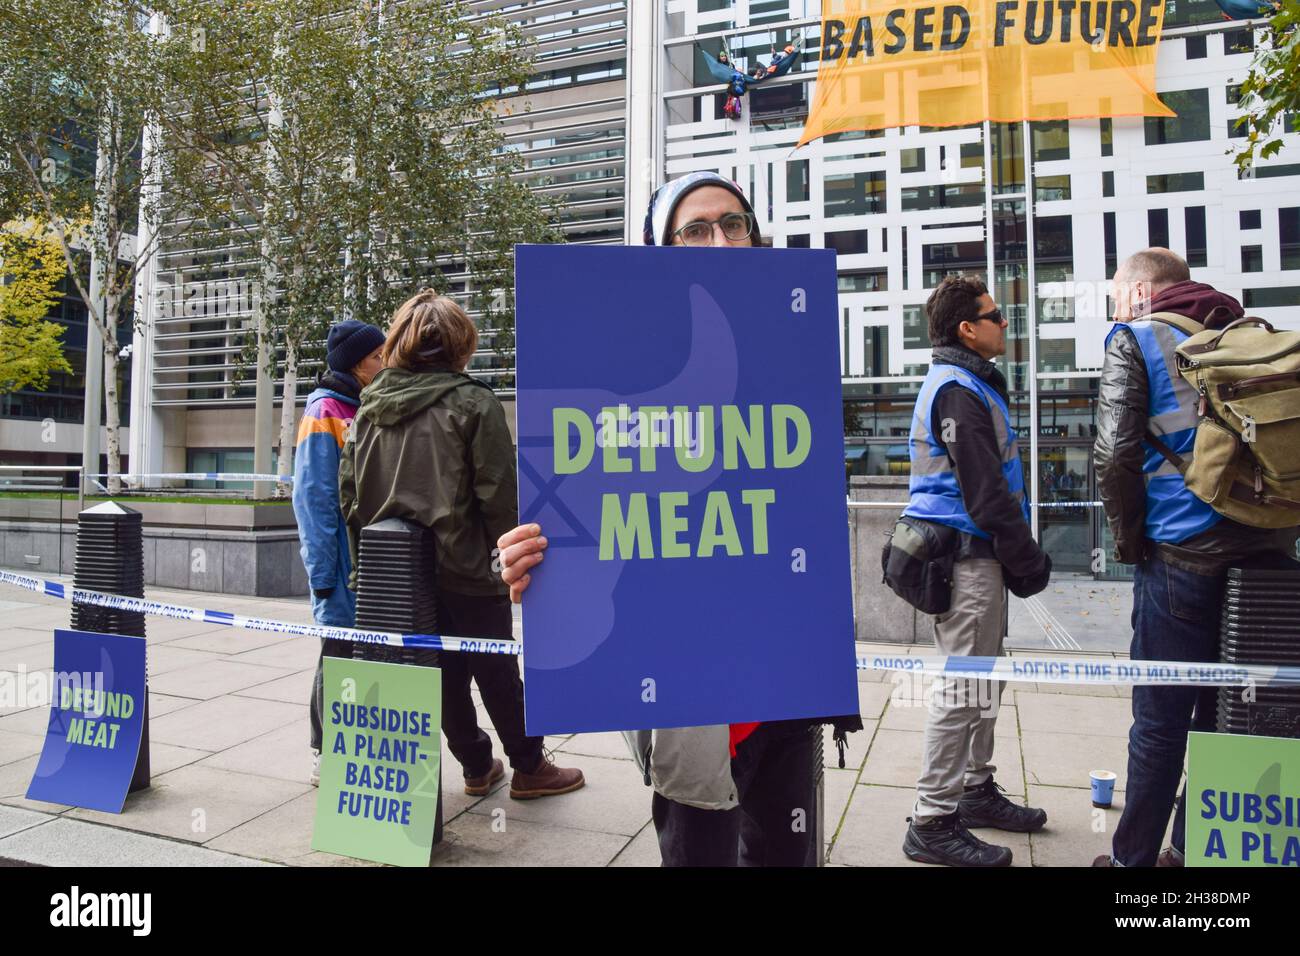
1245,463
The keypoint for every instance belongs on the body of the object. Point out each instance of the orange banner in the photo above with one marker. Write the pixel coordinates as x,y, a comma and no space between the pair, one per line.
919,63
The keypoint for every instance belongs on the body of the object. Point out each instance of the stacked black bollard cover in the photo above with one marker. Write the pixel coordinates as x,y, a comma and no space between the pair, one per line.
1261,625
817,825
110,559
396,573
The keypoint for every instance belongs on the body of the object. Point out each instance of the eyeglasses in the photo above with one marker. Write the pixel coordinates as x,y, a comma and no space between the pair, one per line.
995,316
735,226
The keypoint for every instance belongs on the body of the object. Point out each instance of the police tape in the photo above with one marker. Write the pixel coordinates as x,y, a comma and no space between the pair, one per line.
1082,670
1033,669
180,612
201,476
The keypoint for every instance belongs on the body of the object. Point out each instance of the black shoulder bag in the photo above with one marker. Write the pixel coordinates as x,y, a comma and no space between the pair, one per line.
917,563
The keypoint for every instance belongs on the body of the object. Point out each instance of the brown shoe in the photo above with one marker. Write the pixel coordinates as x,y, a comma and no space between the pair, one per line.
479,786
1103,860
1169,857
547,780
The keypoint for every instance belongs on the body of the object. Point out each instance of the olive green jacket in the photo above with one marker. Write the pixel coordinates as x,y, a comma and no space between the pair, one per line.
433,447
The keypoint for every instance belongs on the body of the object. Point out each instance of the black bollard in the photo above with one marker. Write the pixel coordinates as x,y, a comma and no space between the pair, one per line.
1261,625
396,571
110,559
817,812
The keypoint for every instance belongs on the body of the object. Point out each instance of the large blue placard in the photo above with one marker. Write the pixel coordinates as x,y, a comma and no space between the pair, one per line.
96,720
680,429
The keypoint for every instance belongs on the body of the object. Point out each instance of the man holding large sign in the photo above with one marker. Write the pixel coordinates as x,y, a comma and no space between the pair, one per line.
680,431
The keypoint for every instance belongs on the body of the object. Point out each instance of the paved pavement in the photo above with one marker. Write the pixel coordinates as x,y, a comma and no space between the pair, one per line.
1074,613
228,722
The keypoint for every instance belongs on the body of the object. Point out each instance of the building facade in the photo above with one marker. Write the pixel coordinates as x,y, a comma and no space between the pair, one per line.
194,397
1042,211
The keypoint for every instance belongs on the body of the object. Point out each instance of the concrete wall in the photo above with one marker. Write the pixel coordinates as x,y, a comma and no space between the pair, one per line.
233,549
879,615
20,438
260,563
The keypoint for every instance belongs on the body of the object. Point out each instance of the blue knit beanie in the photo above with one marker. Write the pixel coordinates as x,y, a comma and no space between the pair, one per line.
349,342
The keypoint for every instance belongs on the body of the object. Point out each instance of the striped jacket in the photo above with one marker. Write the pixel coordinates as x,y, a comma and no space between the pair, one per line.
321,531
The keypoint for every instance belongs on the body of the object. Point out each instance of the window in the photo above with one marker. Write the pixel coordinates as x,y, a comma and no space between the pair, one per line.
1268,172
854,194
1196,48
228,460
942,197
876,349
852,135
847,243
1288,235
774,102
796,181
1051,140
1192,122
1252,258
1053,263
1279,298
1158,227
916,328
1056,355
945,258
1108,183
1179,13
796,242
768,11
1053,239
1108,237
1239,41
1107,137
904,251
873,280
1250,219
912,160
1048,188
1176,183
1008,152
1194,230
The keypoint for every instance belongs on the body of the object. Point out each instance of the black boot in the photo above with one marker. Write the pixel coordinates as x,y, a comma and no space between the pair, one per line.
987,806
946,841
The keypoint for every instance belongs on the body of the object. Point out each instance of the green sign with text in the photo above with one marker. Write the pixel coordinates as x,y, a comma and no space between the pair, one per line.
378,796
1243,800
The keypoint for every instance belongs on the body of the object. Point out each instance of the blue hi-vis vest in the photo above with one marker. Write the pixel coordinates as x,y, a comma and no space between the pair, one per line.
1173,513
935,494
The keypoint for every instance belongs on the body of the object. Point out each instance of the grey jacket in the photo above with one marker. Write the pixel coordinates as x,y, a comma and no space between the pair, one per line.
690,765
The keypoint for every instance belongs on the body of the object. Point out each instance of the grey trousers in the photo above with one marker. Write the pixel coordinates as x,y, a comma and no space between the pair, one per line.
963,711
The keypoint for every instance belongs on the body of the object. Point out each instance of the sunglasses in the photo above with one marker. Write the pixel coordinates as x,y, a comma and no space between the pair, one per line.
994,316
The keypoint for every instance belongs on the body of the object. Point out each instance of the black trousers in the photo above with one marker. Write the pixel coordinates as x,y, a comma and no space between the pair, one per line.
497,675
775,823
328,648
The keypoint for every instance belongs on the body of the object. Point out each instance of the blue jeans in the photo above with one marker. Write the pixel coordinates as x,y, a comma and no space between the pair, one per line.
1175,618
